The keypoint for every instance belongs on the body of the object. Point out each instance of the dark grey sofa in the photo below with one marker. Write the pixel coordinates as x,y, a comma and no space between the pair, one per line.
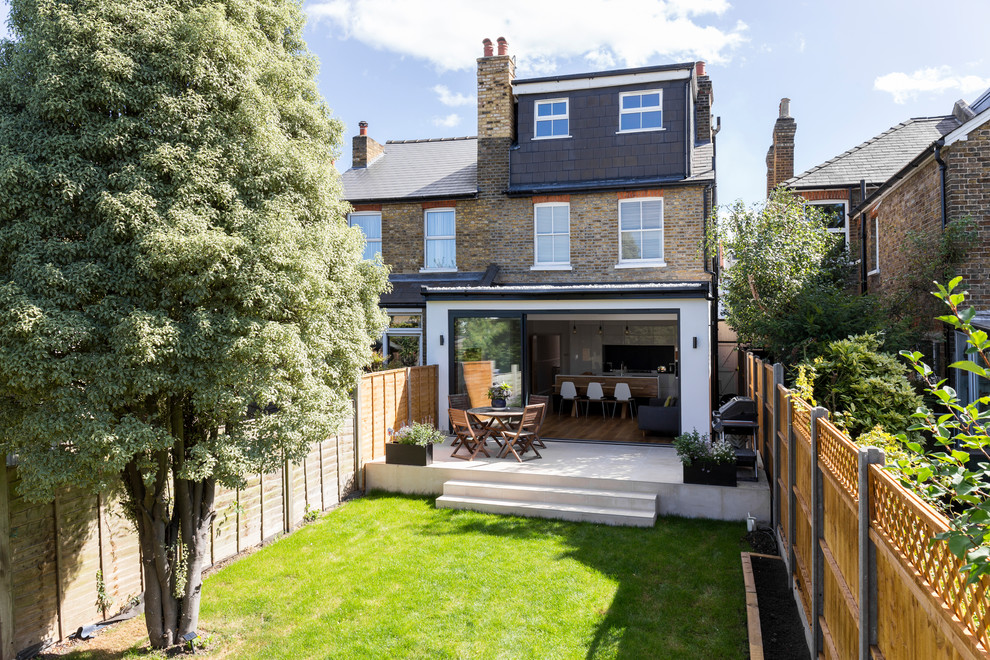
657,419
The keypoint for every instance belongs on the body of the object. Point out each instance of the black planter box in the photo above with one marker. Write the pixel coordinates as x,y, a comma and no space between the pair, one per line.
397,454
710,475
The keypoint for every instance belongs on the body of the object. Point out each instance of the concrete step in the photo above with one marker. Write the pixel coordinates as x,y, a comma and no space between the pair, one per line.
511,476
594,497
573,512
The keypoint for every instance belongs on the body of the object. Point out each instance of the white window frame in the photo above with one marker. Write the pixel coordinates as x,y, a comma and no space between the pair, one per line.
876,245
537,118
405,332
832,202
427,238
972,380
641,263
551,265
369,241
623,111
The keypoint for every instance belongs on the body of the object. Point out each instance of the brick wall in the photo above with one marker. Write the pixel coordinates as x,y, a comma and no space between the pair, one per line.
914,206
968,195
501,230
496,125
780,156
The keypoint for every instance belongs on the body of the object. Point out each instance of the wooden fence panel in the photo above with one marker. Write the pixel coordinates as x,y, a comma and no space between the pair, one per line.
36,600
225,526
78,560
838,458
930,611
804,537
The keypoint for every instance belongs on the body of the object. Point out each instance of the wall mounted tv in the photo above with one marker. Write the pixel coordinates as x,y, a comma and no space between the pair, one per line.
637,358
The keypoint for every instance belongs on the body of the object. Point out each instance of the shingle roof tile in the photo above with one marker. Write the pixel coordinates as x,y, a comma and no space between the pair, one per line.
879,158
444,167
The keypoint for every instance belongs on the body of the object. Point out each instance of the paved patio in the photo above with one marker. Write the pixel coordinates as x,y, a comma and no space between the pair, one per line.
642,468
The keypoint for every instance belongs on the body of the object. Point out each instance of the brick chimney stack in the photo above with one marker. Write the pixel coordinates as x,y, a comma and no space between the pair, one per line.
780,157
364,149
496,118
703,104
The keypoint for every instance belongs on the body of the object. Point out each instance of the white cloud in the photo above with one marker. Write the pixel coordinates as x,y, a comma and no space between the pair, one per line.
451,120
451,98
933,80
448,33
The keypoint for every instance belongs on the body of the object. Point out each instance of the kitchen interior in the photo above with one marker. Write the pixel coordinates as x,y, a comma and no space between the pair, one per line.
638,349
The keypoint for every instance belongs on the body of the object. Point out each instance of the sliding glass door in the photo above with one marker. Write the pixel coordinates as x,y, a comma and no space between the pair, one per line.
487,350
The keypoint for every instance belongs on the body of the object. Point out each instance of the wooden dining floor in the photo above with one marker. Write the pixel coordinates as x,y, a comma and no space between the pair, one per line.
594,427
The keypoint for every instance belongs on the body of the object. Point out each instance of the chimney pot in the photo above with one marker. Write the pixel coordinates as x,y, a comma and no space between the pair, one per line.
503,46
699,67
785,107
363,125
488,47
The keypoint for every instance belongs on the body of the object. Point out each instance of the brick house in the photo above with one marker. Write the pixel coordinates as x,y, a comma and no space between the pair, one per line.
565,239
917,177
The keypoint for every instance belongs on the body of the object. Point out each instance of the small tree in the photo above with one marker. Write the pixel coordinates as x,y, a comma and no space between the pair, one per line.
182,301
785,286
957,472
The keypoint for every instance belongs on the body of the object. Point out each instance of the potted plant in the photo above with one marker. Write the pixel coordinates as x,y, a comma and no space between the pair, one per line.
704,462
499,394
412,445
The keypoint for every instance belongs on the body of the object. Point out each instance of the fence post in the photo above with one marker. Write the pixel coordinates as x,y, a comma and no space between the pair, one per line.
6,572
818,533
358,471
288,497
778,379
410,418
867,555
791,496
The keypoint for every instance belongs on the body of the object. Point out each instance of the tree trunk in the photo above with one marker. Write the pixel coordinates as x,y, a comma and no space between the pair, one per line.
174,549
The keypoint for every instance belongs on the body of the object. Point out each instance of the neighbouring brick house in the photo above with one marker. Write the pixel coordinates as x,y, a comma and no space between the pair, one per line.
917,176
563,239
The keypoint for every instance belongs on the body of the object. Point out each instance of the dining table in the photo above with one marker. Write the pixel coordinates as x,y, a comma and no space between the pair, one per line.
495,420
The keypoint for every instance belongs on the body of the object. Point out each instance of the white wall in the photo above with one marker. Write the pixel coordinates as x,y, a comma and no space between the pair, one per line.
695,363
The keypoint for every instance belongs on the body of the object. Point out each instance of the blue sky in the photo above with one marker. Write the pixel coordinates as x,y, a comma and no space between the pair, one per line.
851,69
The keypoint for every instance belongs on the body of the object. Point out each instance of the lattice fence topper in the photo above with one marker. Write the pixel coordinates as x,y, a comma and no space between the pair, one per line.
908,525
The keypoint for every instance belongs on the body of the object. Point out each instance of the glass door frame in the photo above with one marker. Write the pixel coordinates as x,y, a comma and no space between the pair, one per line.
488,314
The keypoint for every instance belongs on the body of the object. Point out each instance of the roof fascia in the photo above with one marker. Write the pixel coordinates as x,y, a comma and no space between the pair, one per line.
596,82
419,198
962,133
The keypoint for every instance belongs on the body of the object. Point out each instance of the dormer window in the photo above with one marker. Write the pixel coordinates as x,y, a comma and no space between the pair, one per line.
551,119
641,111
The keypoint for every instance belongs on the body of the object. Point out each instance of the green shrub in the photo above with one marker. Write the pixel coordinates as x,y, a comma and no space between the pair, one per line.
863,387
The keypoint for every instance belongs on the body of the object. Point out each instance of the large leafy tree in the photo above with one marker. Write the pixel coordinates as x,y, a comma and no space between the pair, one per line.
181,301
786,288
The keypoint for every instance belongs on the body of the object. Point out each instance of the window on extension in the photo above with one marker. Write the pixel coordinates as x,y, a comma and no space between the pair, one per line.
641,111
551,119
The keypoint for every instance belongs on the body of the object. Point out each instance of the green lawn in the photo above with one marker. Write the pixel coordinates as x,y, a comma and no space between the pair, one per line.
392,577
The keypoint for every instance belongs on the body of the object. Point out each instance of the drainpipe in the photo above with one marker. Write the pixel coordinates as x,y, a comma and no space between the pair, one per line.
714,271
949,338
862,238
941,176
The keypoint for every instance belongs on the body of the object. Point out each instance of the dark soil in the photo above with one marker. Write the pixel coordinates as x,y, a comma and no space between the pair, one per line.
780,625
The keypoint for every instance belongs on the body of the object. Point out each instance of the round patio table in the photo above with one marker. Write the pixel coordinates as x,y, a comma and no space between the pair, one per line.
499,419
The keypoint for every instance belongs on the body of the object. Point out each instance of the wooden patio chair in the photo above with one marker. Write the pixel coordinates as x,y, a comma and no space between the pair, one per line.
545,400
463,402
525,434
467,438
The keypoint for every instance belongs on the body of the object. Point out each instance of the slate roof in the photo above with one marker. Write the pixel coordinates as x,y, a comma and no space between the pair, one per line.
879,158
409,169
407,288
701,162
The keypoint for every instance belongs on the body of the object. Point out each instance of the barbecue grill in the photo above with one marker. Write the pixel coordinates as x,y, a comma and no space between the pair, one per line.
738,418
